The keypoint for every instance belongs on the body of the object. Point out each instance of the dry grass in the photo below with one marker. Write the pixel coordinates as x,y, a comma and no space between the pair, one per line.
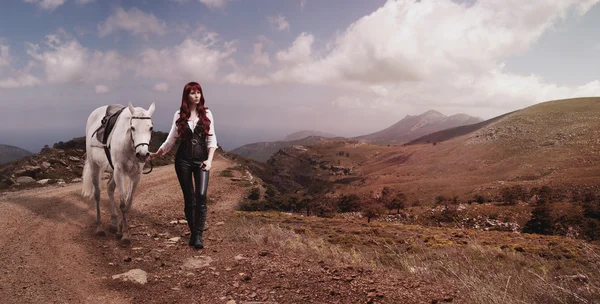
483,273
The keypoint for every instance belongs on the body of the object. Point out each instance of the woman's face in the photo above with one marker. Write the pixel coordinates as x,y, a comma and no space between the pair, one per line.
194,97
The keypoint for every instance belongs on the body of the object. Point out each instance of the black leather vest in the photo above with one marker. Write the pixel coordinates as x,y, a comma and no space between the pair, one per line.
193,144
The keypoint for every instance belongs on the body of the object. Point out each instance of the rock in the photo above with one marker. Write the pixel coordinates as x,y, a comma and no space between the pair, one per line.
46,165
43,181
197,262
25,180
220,224
77,180
263,253
74,158
182,222
239,257
10,182
174,222
174,239
231,302
575,278
135,275
30,171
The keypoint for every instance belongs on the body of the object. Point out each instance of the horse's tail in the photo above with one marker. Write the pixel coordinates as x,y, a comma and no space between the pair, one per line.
88,179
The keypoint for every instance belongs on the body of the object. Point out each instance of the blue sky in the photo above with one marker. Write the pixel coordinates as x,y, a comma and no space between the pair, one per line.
270,68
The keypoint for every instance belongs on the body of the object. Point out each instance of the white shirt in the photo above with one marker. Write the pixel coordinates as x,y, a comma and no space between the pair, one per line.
211,140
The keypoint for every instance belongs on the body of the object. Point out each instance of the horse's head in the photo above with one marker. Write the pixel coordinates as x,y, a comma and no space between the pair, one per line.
141,130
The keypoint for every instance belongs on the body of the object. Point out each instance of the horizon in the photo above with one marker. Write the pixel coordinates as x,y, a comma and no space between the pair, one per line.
272,69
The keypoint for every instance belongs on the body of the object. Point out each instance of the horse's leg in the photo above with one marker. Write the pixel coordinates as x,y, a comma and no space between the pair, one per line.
125,240
112,186
96,183
119,179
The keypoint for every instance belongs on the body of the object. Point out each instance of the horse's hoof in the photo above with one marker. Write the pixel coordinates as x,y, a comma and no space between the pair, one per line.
100,233
112,229
118,236
125,242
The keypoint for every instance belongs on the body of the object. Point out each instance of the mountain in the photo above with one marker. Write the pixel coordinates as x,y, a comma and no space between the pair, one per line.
413,127
262,151
10,153
554,143
306,133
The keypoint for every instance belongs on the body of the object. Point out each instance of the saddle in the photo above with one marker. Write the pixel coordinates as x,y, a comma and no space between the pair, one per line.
108,122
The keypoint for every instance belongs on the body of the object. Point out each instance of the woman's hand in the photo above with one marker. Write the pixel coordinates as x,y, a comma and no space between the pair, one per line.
207,165
155,154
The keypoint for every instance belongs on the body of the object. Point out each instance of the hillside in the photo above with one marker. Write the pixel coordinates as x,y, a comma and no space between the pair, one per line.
62,163
9,153
262,151
306,133
553,143
412,127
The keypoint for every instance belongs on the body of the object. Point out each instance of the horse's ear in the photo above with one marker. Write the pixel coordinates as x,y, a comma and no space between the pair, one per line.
130,108
151,109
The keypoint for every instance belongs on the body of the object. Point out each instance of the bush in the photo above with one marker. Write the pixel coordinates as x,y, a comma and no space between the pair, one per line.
541,221
349,203
254,194
512,195
373,210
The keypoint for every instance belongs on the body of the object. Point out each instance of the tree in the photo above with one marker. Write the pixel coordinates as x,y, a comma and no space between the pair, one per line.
349,203
541,220
373,209
398,202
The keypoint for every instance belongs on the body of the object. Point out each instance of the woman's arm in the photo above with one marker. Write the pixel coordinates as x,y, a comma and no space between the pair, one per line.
211,141
171,138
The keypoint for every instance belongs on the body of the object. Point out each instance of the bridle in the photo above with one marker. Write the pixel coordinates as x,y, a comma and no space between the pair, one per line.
140,144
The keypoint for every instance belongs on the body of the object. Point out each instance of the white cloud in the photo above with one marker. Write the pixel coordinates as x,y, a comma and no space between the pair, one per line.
161,87
134,21
239,77
279,23
299,52
5,58
213,4
435,51
260,57
199,59
48,5
302,4
70,62
20,78
84,1
102,89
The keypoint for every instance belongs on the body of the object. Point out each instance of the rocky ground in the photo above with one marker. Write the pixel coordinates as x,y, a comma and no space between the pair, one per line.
50,254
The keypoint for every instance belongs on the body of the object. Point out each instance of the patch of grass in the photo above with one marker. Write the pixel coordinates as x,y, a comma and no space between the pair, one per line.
515,273
226,173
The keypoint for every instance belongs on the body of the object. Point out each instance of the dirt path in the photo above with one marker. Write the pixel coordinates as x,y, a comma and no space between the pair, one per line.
50,254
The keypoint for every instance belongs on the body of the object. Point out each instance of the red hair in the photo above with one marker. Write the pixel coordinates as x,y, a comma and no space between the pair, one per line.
184,110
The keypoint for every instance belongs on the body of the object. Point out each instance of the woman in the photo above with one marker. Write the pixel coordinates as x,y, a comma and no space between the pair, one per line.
194,125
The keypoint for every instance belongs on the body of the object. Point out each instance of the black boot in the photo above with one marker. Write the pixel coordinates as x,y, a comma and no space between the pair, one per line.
199,221
189,217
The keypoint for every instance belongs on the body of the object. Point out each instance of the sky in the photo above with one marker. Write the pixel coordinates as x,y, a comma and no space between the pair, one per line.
270,67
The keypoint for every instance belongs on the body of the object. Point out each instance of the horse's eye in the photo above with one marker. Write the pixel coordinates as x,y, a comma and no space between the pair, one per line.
151,128
132,129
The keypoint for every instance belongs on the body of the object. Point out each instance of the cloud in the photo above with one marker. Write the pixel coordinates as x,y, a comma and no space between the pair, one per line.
302,4
434,51
84,1
102,89
133,21
65,60
279,23
214,4
19,78
161,87
260,57
299,52
199,59
5,58
48,5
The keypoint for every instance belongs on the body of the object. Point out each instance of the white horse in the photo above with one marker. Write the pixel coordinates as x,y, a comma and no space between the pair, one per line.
128,143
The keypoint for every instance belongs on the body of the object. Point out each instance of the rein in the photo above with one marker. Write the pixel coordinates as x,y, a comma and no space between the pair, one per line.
140,144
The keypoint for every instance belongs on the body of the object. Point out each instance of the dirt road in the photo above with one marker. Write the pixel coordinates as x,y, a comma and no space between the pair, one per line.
49,253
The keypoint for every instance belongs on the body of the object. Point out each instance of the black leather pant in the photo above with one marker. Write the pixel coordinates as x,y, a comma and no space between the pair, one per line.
194,192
